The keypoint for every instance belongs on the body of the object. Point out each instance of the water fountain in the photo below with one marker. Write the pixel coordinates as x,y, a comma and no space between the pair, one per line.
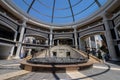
58,59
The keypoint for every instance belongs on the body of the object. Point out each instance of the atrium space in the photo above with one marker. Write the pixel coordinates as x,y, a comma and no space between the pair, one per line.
59,39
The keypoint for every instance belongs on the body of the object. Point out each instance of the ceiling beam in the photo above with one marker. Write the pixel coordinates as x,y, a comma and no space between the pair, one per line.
53,11
71,10
30,6
98,3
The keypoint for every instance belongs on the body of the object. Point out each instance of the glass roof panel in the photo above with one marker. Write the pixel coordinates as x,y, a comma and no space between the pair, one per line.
102,2
18,3
62,13
61,21
41,9
59,11
83,6
39,17
46,3
59,4
87,11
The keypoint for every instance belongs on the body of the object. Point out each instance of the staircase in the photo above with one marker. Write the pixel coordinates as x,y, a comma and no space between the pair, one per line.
61,51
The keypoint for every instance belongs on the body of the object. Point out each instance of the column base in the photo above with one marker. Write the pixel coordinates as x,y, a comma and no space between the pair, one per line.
10,57
16,57
76,47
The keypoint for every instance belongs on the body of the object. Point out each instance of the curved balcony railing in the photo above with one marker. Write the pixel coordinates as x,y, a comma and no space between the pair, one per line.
6,19
7,41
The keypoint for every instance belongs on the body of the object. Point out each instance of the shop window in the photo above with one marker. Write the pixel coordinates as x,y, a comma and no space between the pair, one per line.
54,54
68,54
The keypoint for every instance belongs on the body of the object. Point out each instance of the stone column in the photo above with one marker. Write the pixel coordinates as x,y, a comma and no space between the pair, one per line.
96,42
51,37
58,42
89,40
81,44
20,39
75,38
46,42
29,52
51,41
109,40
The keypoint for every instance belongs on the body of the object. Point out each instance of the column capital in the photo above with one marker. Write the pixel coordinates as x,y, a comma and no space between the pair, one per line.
74,26
24,20
106,15
51,30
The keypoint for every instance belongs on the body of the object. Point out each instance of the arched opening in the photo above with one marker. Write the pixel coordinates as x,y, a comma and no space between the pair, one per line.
63,41
93,43
33,45
6,34
35,39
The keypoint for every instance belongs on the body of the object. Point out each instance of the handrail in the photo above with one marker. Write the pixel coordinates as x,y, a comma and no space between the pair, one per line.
38,30
90,27
6,16
7,41
30,44
85,55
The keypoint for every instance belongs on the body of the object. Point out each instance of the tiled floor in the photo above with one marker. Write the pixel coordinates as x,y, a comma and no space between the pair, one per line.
109,71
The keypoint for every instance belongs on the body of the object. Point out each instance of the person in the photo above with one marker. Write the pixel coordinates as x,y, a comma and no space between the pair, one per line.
26,52
32,53
107,57
105,52
94,51
88,52
99,54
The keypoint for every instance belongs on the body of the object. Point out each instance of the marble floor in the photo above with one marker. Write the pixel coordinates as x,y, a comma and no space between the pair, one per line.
9,70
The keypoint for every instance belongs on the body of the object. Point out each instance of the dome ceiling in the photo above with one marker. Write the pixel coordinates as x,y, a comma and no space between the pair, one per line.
59,12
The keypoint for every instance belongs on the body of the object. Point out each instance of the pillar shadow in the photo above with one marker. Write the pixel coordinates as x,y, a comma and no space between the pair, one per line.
54,72
105,71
